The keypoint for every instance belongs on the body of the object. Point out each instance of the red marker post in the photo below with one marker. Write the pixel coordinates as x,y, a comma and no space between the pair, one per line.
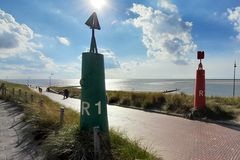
199,97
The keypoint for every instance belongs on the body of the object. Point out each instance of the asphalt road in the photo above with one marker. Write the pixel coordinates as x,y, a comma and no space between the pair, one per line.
170,137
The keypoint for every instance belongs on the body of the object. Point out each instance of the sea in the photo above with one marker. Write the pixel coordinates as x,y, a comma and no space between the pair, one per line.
214,87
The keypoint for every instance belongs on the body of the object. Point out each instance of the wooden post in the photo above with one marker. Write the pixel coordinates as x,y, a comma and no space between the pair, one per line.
13,92
26,97
61,116
31,98
41,103
5,91
19,92
96,140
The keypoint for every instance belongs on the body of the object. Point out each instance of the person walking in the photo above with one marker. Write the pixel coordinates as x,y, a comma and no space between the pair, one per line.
65,93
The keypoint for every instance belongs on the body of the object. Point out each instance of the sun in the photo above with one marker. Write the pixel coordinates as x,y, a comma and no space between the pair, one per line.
98,4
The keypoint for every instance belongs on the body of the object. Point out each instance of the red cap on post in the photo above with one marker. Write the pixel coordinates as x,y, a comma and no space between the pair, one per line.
200,55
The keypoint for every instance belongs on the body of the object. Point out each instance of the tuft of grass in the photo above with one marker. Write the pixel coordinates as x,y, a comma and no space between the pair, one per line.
71,144
66,142
179,103
214,111
124,148
126,101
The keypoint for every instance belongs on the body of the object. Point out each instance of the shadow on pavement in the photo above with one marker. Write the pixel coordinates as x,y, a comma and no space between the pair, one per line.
27,146
226,124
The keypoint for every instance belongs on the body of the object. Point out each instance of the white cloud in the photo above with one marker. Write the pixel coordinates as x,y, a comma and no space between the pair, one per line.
64,40
71,68
164,33
16,67
110,58
114,22
40,67
20,55
47,62
234,17
15,38
62,14
167,5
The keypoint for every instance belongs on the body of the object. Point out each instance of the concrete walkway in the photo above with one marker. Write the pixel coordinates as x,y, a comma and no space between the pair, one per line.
172,138
13,144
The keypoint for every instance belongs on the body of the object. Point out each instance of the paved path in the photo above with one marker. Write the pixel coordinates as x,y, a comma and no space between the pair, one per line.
172,138
13,144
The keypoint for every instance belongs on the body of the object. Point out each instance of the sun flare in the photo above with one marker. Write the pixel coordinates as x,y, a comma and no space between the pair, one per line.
98,4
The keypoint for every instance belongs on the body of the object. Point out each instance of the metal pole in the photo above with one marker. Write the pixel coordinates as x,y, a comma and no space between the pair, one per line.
234,75
50,79
92,46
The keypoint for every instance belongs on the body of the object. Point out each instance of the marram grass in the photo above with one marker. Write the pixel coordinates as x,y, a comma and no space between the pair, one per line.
217,108
66,142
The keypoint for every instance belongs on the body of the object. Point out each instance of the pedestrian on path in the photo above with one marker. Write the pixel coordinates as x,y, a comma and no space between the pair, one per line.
65,93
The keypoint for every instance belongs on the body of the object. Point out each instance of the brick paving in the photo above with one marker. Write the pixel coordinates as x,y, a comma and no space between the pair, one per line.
175,138
10,134
172,138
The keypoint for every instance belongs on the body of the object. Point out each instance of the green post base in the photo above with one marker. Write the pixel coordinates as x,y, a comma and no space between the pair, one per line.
93,95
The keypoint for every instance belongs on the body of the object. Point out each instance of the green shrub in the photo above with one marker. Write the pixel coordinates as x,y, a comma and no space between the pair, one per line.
178,103
137,104
174,102
125,101
137,99
158,101
113,100
238,106
233,101
214,111
147,105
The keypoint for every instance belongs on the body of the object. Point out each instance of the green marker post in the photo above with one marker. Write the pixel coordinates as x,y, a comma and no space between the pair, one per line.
93,96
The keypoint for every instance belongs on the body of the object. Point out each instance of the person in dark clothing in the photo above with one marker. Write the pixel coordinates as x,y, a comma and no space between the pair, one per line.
40,89
65,93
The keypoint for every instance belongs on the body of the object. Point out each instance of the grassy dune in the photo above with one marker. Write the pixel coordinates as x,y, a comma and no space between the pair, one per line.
66,142
218,108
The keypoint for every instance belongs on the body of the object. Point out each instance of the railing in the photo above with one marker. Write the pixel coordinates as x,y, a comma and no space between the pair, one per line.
9,93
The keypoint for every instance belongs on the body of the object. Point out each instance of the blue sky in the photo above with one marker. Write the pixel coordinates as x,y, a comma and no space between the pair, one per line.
139,39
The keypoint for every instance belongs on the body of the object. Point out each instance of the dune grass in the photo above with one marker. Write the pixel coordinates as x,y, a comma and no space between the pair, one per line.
217,108
66,142
228,107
